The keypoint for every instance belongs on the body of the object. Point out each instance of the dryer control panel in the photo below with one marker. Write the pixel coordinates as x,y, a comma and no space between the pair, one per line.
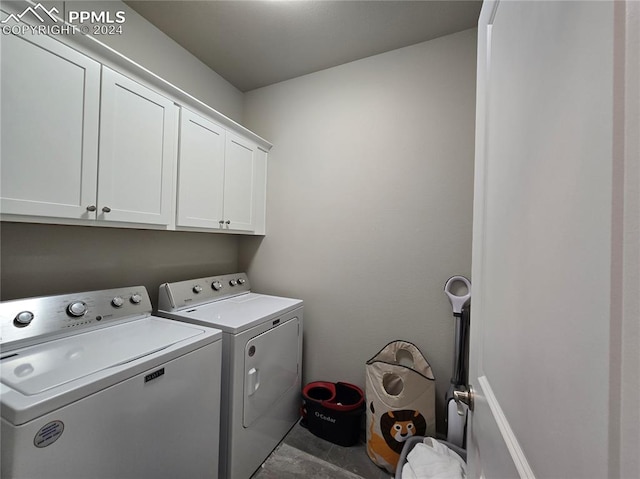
34,319
175,296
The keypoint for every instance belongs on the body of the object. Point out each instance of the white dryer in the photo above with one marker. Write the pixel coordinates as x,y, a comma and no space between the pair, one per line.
261,362
93,385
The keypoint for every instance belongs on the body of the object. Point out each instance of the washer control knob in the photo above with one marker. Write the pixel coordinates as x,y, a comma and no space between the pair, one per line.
24,317
136,298
241,281
77,309
117,302
197,289
233,282
216,285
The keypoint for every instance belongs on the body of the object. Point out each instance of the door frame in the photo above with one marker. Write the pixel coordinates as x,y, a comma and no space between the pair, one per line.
624,429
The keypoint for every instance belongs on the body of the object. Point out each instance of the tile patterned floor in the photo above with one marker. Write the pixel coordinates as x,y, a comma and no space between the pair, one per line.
302,452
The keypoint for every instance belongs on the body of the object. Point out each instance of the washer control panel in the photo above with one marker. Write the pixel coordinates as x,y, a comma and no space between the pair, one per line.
173,296
31,318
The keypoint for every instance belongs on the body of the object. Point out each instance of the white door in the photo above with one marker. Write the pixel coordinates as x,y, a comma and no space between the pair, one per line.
239,177
200,172
138,129
49,145
547,249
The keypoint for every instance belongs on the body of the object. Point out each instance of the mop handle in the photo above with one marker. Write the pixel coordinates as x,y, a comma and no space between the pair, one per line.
460,351
458,302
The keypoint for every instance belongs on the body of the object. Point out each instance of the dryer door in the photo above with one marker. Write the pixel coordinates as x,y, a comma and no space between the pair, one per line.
270,369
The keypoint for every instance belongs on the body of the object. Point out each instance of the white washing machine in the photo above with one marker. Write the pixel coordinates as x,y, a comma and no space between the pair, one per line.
94,386
261,362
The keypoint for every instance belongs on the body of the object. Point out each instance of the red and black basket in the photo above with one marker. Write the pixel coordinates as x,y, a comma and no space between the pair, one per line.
333,411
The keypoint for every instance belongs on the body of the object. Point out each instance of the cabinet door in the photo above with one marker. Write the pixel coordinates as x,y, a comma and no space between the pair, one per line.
239,178
138,129
200,172
49,140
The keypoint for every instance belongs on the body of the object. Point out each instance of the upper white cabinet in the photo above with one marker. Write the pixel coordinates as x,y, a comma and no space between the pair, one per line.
200,172
49,141
89,137
138,129
240,163
52,162
221,178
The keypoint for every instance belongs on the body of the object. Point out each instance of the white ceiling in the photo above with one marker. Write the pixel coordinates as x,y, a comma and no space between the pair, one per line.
256,43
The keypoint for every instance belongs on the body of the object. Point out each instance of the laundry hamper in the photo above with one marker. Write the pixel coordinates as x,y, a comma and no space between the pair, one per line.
400,395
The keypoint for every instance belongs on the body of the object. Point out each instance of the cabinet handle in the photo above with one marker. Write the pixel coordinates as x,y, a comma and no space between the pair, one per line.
228,222
221,222
91,208
106,209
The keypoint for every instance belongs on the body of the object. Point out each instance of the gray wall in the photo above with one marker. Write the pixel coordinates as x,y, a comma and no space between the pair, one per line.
369,205
39,260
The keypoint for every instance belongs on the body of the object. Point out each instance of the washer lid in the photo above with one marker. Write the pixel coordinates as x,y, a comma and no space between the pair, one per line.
238,313
35,369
